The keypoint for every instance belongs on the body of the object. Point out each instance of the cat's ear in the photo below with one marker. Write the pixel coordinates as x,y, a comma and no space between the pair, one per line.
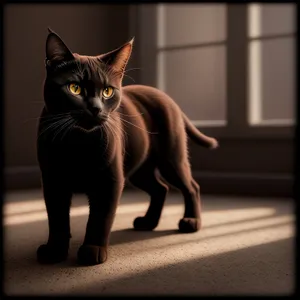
56,49
118,58
50,30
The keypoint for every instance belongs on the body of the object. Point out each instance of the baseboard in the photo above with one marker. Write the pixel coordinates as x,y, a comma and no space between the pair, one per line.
235,183
247,184
24,177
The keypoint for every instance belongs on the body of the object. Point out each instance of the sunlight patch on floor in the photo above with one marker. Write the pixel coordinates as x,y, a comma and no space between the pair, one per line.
251,233
229,225
32,211
165,254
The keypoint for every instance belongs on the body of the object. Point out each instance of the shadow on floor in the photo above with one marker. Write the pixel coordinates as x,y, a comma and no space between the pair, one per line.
259,270
124,236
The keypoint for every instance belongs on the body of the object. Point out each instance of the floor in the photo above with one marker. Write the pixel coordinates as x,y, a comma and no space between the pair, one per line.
246,247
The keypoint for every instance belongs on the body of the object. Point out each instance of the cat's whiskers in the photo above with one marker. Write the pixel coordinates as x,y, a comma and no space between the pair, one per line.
62,127
61,121
118,126
112,130
59,126
129,77
56,114
53,126
136,115
103,136
69,128
107,131
115,130
137,126
132,69
126,115
113,74
101,127
117,135
49,117
54,118
123,135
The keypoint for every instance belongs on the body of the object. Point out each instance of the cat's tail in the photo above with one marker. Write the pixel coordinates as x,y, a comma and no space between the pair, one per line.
197,136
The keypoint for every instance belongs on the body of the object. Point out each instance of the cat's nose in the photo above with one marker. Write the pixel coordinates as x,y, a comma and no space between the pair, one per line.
95,110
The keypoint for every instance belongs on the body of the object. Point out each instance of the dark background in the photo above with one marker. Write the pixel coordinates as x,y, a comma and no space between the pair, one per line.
250,164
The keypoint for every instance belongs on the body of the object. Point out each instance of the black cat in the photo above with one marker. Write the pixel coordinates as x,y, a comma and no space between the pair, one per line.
93,134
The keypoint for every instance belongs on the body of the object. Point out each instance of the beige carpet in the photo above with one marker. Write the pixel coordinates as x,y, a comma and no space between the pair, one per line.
246,247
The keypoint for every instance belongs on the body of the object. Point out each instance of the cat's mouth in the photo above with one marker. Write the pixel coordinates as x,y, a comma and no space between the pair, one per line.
88,122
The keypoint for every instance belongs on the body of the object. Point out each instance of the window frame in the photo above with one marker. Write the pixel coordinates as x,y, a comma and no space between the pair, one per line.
144,27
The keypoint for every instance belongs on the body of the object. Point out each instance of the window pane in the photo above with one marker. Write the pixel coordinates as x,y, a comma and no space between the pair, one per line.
272,81
196,79
270,19
185,24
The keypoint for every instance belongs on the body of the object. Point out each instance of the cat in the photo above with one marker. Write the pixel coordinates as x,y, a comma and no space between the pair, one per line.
93,134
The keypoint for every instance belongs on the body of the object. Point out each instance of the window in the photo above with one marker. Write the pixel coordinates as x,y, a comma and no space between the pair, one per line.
231,68
271,86
219,59
194,56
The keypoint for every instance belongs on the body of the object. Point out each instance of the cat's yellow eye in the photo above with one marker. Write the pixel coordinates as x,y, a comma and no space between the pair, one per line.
74,88
108,92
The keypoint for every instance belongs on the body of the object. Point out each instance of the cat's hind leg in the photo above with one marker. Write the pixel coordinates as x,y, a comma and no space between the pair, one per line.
147,179
178,174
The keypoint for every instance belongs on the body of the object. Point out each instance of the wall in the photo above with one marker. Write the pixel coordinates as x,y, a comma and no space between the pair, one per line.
86,29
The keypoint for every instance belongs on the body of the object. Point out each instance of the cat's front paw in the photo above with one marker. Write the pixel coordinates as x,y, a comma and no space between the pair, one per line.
144,223
50,254
188,225
89,255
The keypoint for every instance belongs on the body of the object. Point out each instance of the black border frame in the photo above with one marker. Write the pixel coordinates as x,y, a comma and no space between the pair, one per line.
2,129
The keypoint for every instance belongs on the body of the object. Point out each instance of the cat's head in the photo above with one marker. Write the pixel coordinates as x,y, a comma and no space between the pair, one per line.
87,87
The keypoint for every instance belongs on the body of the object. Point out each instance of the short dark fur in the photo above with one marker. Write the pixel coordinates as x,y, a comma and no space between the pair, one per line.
90,145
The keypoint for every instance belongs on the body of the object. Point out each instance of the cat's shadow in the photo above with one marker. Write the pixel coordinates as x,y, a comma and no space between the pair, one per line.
128,235
117,237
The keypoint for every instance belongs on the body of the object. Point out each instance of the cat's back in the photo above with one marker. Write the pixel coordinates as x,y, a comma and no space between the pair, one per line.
147,94
155,104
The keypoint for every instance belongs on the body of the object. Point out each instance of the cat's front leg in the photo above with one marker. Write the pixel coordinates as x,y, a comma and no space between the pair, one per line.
58,202
103,204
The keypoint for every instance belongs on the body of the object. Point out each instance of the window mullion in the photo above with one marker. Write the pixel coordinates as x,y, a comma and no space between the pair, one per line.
237,68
